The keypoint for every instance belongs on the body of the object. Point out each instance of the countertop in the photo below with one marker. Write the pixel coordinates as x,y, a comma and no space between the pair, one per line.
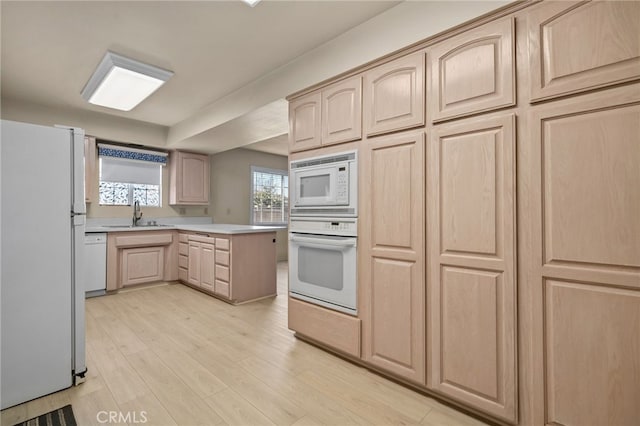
214,228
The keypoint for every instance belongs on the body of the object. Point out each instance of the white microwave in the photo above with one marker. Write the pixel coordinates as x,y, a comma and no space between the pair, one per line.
325,186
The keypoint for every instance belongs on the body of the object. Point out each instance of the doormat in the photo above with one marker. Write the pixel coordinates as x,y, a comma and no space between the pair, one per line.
60,417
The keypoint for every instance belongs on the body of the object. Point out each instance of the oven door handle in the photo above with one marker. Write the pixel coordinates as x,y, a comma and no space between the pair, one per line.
350,242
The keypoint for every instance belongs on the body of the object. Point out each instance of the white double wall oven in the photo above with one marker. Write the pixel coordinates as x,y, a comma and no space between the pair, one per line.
323,231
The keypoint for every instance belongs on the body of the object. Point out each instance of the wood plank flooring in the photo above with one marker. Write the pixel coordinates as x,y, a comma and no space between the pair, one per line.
171,355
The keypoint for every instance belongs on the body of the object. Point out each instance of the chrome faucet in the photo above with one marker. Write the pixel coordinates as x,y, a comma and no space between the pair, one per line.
137,214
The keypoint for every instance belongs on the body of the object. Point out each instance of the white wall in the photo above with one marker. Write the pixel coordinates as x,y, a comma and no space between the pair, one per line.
231,187
103,126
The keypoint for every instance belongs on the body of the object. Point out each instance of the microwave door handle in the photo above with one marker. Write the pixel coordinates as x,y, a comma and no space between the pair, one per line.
324,242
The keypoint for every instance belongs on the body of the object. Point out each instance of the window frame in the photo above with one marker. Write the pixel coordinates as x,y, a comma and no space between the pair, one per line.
130,190
280,172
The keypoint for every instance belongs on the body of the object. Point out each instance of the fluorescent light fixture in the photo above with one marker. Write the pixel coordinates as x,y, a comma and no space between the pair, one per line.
122,83
251,2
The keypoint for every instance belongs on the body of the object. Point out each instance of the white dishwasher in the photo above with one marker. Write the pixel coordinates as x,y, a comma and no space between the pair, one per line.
95,269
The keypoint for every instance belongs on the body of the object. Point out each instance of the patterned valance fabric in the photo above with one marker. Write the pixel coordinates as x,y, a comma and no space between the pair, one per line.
133,154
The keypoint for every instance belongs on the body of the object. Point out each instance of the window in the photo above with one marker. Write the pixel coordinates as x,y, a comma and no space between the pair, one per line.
269,196
128,175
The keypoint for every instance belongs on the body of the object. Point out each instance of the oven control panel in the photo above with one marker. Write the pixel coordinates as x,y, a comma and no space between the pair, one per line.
327,226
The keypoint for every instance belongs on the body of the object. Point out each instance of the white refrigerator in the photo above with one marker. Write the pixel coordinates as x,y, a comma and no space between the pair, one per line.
42,234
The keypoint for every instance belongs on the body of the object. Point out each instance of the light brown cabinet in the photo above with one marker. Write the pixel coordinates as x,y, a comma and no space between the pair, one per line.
391,271
200,260
473,72
141,257
342,111
189,178
237,268
334,329
472,263
142,265
577,46
329,117
510,291
304,123
90,172
394,95
585,291
222,265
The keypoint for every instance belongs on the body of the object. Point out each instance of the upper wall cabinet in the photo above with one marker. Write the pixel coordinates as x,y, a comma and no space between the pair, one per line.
90,178
575,46
394,95
331,116
342,111
304,122
189,174
473,72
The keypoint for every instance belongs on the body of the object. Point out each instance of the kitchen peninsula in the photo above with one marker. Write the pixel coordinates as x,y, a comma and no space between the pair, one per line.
236,263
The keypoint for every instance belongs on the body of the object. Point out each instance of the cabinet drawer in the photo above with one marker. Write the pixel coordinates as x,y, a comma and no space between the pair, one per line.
222,273
183,261
183,238
183,275
222,289
222,243
204,238
340,331
222,257
183,249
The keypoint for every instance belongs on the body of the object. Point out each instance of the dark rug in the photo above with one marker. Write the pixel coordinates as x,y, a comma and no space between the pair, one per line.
60,417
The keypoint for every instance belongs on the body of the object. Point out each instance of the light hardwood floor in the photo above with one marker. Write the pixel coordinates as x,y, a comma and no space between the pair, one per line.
184,358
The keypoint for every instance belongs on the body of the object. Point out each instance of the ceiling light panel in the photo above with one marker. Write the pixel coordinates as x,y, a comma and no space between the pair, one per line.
251,2
122,83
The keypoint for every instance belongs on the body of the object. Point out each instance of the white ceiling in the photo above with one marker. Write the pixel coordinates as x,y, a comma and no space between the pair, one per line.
233,64
50,48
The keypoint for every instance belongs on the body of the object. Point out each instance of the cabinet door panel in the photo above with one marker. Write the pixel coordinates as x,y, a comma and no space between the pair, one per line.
194,264
142,265
474,71
585,204
304,123
581,46
394,95
472,263
602,183
189,178
391,274
193,178
592,359
207,267
342,112
397,316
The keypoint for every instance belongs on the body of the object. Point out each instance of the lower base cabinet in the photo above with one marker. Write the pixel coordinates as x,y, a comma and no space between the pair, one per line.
331,328
237,268
142,265
140,257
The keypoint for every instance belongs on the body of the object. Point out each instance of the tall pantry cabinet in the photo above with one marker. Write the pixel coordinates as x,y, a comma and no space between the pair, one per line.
581,212
499,230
